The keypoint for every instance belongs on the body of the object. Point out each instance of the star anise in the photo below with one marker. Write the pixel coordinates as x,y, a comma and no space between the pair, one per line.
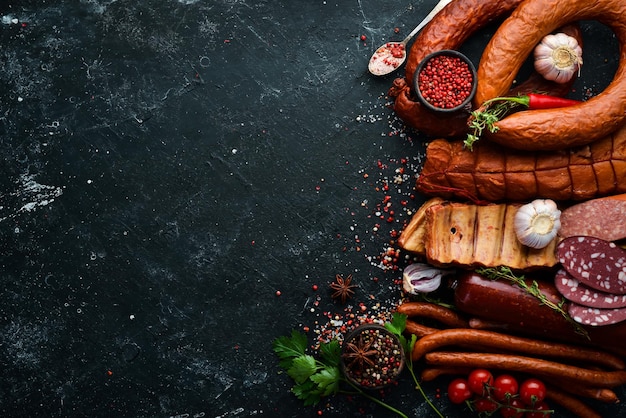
358,353
342,288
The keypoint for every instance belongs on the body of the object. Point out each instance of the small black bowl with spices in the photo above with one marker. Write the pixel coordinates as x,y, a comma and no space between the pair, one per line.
445,81
372,357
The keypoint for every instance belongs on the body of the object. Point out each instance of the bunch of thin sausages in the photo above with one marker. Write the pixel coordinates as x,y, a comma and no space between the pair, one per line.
571,371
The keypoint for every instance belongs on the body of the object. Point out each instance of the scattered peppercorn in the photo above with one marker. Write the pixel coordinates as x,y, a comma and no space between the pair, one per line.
445,81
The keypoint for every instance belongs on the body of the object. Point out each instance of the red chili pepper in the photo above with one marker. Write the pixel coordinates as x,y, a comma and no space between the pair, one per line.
537,101
494,109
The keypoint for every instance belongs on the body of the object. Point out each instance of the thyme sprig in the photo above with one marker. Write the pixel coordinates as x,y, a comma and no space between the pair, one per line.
485,117
505,273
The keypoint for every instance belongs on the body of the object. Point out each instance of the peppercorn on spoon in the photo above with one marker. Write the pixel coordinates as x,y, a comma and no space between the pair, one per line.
390,56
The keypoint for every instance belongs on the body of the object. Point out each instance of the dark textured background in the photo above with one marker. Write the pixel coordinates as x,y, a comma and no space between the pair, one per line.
168,166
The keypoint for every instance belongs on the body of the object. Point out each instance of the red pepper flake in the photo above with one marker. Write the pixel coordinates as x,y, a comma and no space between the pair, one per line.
278,293
314,287
363,37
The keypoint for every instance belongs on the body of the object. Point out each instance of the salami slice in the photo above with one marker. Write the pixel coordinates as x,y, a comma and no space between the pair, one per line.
574,291
603,218
596,263
595,316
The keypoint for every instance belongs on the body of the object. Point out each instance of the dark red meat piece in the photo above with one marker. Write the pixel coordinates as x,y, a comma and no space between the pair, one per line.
596,316
600,218
574,291
595,262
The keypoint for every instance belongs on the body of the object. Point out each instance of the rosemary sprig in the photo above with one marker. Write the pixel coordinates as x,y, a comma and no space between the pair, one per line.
485,117
505,273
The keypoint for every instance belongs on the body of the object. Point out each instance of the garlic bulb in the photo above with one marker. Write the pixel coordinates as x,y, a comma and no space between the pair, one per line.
558,57
537,223
422,278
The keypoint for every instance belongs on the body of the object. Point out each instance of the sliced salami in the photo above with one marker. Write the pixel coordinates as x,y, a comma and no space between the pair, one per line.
595,316
602,218
574,291
596,263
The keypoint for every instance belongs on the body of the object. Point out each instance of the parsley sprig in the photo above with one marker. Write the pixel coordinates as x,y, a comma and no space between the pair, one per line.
321,376
314,378
505,273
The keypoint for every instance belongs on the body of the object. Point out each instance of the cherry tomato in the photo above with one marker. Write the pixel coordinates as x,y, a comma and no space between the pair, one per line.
540,407
514,410
484,405
480,381
505,387
458,391
532,391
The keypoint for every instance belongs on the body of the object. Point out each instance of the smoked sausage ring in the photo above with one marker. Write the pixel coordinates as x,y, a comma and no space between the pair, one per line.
447,30
514,40
452,26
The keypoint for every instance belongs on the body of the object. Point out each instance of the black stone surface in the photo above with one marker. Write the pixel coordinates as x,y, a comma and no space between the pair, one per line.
168,166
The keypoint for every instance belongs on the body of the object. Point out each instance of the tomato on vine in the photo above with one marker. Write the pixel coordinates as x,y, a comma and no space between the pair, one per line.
540,409
532,391
480,381
484,405
505,387
515,409
459,391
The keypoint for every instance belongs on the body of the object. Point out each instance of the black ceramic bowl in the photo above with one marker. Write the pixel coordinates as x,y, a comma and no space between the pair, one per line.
372,357
445,81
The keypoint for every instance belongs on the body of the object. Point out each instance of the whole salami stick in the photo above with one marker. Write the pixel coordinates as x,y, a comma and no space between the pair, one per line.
518,363
491,340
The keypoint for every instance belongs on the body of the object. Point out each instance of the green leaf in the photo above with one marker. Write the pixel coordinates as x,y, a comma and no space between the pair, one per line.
290,347
327,380
308,392
330,353
397,324
302,368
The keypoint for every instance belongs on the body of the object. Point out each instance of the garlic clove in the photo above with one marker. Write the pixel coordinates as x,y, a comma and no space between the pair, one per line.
422,278
558,57
537,223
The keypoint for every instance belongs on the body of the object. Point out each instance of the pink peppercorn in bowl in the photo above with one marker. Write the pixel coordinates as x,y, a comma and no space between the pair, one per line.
445,81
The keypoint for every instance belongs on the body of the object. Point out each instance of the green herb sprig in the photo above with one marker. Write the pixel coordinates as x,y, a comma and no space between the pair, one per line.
397,327
483,118
316,378
505,273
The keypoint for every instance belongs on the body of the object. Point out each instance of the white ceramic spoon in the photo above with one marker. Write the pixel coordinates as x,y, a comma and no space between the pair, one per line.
392,55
